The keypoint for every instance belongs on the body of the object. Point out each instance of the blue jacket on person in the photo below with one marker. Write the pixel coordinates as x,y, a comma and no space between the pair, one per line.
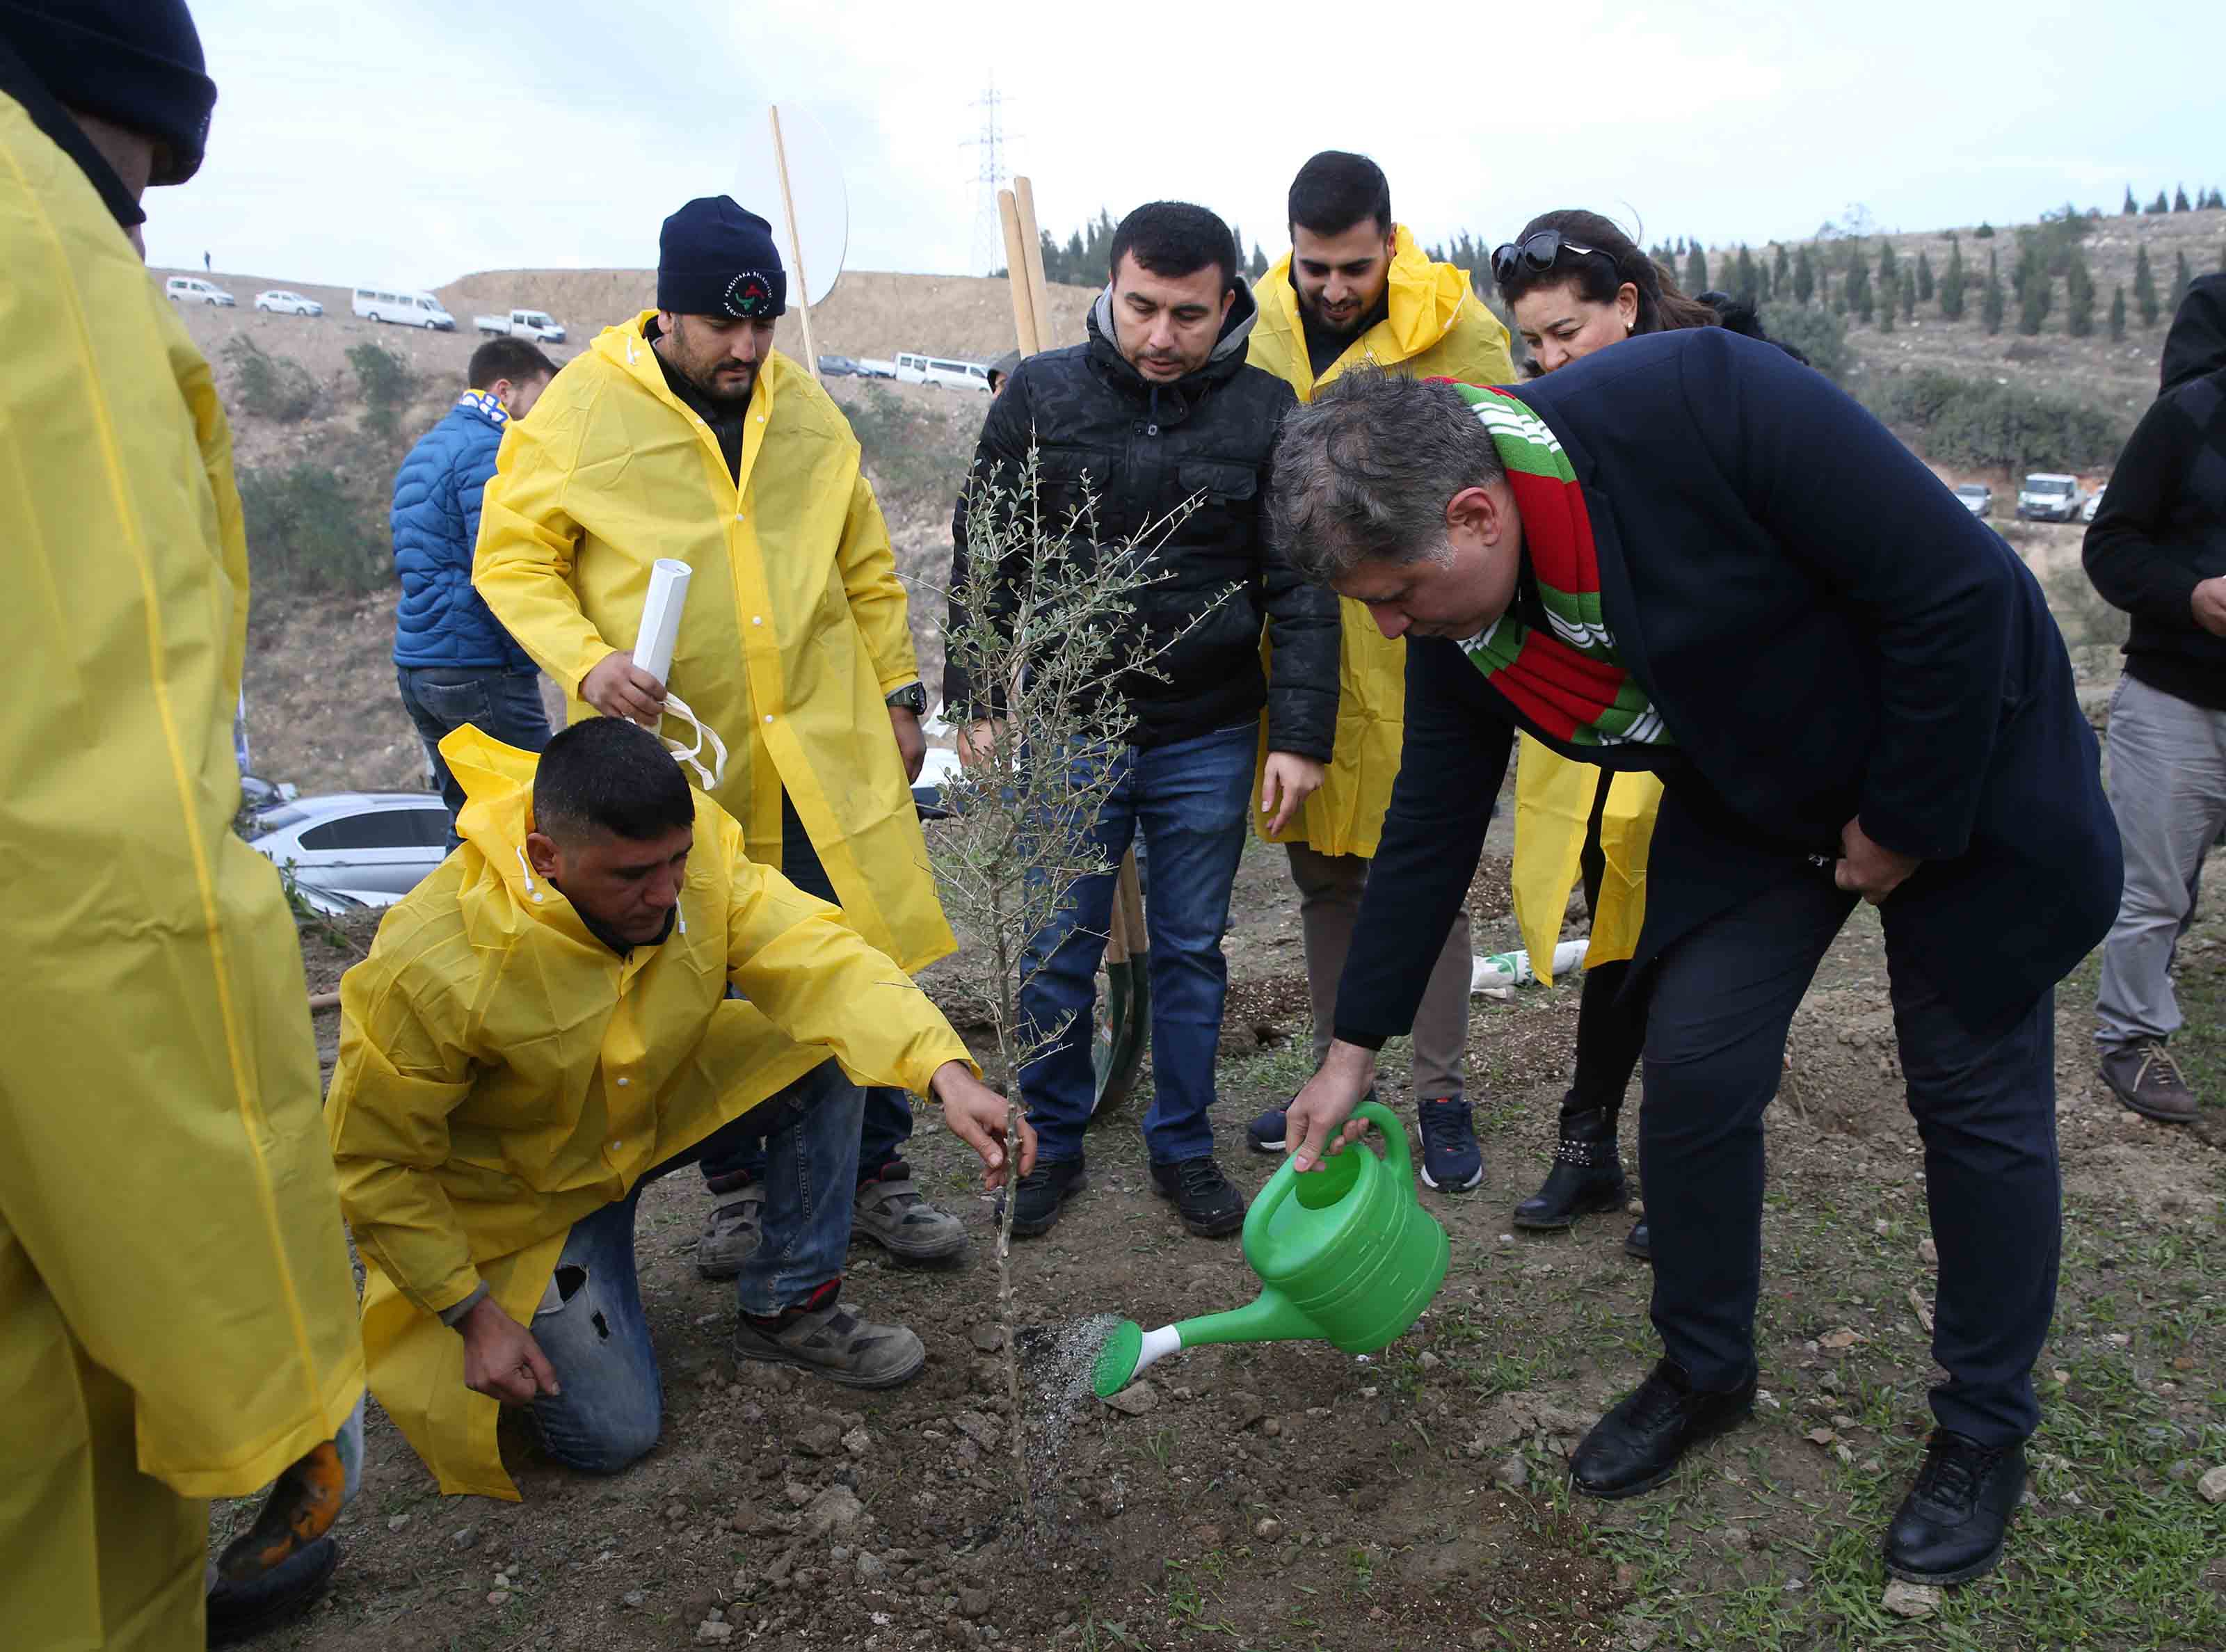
441,620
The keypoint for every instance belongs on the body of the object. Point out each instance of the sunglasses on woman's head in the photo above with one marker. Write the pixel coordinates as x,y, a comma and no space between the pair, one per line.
1536,253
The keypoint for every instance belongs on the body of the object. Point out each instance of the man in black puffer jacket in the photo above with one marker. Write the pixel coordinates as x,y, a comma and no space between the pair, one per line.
1158,409
2158,550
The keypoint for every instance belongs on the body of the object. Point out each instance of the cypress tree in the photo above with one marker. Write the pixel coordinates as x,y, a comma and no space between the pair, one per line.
2161,205
2145,292
1781,268
1887,296
1908,294
1923,277
1990,303
2132,207
1858,288
1258,267
2032,302
2180,199
2179,280
2117,314
1696,269
2078,299
1889,268
1746,284
1952,284
1763,283
1804,276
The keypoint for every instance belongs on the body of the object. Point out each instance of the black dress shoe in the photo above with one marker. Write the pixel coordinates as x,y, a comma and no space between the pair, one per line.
1953,1521
1208,1201
1040,1194
1637,1243
1586,1175
1637,1445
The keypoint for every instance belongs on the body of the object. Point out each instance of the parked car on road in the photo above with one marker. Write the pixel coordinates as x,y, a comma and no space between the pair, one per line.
874,367
914,369
537,324
404,308
2047,497
2094,503
837,367
192,289
1978,498
279,302
353,849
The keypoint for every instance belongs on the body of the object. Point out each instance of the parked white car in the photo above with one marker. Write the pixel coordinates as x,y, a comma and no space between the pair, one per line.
537,324
2048,497
403,307
353,849
279,302
914,369
192,289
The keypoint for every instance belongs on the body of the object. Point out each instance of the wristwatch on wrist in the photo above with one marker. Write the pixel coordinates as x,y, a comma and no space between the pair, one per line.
911,697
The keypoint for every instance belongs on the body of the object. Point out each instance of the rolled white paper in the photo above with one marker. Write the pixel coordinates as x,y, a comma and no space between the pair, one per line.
660,617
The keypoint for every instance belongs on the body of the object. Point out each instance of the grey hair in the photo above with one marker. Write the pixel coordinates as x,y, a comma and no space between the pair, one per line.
1363,472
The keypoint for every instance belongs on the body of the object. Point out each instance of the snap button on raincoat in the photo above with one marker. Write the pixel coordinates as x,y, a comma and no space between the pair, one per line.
1437,327
503,1073
177,1309
796,626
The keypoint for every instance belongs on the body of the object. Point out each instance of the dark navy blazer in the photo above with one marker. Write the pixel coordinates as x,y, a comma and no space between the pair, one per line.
1827,635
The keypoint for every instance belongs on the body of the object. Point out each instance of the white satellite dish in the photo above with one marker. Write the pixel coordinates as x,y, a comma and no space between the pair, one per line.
815,189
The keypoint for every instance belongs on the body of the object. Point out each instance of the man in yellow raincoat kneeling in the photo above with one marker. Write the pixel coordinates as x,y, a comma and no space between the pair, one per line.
176,1312
543,1026
1354,290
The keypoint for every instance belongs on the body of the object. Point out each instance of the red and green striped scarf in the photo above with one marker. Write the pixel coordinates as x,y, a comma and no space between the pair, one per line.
1567,680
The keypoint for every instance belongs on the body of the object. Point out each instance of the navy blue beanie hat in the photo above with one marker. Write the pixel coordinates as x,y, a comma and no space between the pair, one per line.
136,62
715,258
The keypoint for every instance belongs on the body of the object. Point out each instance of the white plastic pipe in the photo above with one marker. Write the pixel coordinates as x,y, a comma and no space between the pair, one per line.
1504,970
660,617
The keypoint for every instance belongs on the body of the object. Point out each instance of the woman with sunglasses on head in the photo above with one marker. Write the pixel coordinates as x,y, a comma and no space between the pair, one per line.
1576,284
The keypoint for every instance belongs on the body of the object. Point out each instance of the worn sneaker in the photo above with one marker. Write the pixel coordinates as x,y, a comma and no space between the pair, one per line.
730,1232
1041,1191
2145,1077
1208,1201
1452,1162
827,1337
891,1212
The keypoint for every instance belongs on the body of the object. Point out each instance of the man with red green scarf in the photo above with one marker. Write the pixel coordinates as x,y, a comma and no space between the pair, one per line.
1692,555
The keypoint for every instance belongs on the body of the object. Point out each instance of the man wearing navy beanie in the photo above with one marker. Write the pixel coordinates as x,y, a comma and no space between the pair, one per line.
150,1364
684,434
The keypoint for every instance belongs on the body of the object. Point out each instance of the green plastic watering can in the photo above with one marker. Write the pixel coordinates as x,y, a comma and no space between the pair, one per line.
1347,1255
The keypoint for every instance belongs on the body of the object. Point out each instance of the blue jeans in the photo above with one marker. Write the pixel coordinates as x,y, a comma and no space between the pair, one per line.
442,699
1722,999
591,1324
887,1122
1188,799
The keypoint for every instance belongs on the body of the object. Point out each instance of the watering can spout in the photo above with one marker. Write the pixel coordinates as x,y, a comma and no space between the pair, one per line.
1271,1317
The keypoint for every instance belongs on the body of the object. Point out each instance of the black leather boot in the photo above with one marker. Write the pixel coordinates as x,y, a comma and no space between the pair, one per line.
1586,1177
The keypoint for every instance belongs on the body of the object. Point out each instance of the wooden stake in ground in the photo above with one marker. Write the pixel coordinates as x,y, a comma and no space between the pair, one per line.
1024,197
795,249
1016,273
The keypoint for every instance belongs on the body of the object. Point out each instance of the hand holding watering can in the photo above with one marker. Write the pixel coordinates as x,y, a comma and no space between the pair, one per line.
1319,1122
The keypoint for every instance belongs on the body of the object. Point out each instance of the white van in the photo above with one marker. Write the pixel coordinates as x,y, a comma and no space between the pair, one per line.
192,289
912,369
403,307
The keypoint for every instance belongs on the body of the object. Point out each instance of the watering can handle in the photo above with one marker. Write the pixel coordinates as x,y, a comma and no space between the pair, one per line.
1284,1181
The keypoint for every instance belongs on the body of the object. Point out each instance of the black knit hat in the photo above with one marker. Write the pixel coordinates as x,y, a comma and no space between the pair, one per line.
716,258
136,62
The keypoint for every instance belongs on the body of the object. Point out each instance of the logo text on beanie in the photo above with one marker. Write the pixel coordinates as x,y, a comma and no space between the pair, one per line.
749,296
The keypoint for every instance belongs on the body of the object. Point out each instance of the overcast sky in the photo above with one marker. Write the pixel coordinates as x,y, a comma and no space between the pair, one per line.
413,141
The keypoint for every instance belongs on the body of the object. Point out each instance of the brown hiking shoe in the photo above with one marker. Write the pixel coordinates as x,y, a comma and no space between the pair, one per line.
827,1337
2145,1076
730,1232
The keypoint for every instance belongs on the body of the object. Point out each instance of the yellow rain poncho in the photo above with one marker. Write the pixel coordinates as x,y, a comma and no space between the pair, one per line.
796,623
1553,798
1437,327
177,1310
502,1074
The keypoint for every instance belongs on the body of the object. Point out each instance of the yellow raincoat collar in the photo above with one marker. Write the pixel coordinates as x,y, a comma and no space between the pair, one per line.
627,345
1425,299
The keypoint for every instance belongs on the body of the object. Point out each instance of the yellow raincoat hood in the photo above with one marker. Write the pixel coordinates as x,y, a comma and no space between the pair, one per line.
177,1309
1435,327
796,626
503,1073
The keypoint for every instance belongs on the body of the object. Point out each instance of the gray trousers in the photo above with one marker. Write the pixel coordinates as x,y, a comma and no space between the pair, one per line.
1329,904
2167,761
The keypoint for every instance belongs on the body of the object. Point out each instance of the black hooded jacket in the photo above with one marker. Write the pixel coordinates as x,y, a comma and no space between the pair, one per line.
2161,528
1138,450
